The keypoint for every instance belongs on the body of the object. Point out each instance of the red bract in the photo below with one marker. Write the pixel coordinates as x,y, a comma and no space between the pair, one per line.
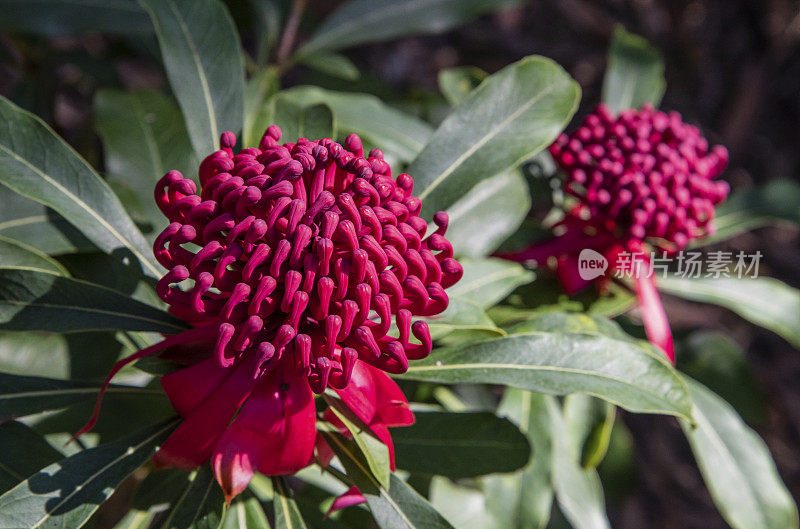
291,264
642,177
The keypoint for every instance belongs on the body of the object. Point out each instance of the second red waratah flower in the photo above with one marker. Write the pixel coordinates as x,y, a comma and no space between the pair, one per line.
290,266
641,178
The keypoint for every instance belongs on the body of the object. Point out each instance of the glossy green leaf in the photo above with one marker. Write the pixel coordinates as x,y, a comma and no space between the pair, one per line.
38,164
737,466
456,84
25,395
462,315
525,499
634,75
630,374
745,210
64,17
205,66
374,451
578,491
143,137
15,253
487,281
37,300
246,513
258,90
287,515
67,493
393,131
23,452
201,505
40,353
396,507
460,445
510,117
360,21
23,219
764,301
334,64
298,119
488,214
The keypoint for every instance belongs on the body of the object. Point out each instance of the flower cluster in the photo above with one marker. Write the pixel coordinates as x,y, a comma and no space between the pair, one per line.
291,265
644,172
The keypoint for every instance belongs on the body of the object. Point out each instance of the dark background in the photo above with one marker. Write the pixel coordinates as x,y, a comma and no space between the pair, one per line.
732,67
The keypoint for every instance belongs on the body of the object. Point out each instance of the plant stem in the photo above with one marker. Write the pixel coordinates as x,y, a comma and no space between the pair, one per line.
290,32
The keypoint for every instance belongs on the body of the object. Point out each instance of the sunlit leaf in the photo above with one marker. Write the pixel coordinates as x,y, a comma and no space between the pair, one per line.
201,504
16,253
635,73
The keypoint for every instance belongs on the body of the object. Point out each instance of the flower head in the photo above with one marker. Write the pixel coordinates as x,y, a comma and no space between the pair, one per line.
646,173
291,265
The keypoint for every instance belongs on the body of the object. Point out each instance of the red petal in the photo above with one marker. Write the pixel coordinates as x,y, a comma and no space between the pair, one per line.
351,497
655,320
383,434
235,460
188,387
191,444
359,395
281,418
324,452
392,404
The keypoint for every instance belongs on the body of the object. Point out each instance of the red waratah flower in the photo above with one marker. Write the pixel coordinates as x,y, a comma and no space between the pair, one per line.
290,266
642,177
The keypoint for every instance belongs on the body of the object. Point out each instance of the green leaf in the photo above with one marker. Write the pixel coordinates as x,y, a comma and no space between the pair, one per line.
23,452
268,21
456,84
396,507
525,499
360,21
764,301
591,422
143,137
287,515
23,395
487,281
67,493
374,451
745,210
298,119
38,300
462,315
258,90
633,375
579,492
159,489
15,253
246,513
135,520
205,66
40,353
488,214
715,360
201,505
334,64
38,164
737,466
510,117
393,131
634,75
463,506
23,219
460,445
64,17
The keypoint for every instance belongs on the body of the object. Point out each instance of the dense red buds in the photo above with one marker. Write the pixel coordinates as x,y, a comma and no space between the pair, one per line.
644,172
300,250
